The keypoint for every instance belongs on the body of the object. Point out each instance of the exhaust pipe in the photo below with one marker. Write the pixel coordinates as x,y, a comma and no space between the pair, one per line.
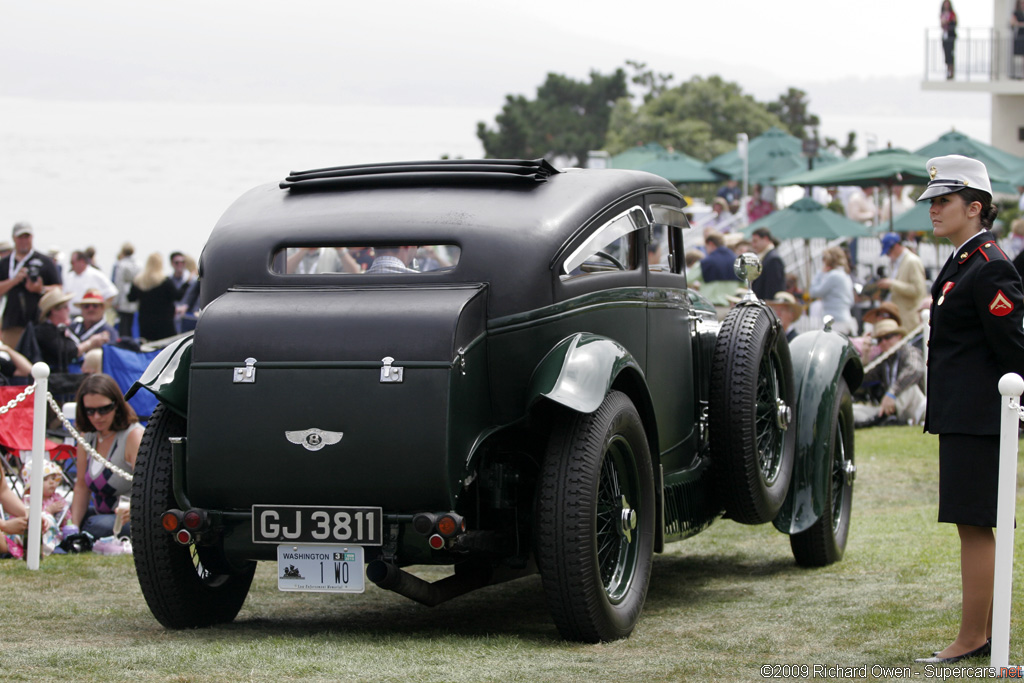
468,577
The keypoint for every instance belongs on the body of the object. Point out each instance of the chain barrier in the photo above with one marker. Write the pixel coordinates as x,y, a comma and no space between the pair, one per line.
29,390
1015,405
81,440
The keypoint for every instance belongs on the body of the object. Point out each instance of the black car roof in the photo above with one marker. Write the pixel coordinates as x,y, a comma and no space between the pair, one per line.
508,225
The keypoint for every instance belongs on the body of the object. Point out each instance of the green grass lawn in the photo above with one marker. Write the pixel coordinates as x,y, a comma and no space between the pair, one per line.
720,606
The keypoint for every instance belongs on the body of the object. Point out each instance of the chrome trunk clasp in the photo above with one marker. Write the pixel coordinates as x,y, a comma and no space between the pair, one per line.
390,373
246,375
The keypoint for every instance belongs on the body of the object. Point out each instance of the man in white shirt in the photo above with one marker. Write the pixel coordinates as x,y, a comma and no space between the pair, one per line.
84,277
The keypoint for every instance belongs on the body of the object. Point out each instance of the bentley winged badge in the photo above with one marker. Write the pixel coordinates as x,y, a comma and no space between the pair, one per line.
313,439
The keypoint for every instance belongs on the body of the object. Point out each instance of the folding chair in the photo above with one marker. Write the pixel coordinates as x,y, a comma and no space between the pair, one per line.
16,437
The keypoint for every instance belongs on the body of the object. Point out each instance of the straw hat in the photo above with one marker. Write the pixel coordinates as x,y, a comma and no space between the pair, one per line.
53,298
886,309
886,327
787,300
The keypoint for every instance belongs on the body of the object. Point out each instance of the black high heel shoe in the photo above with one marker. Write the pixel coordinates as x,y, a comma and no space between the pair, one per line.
977,652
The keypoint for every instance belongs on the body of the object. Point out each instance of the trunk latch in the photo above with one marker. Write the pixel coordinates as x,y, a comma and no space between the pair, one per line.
390,373
246,375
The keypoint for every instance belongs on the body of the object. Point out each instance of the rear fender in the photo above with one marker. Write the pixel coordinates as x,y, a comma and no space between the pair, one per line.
820,360
167,376
579,371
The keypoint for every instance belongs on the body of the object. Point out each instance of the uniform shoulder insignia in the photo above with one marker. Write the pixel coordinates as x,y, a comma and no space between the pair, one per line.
997,250
1000,305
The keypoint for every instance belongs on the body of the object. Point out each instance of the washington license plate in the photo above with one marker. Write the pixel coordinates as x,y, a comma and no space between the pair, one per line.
320,568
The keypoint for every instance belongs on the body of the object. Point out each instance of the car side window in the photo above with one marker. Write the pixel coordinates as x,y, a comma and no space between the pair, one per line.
611,248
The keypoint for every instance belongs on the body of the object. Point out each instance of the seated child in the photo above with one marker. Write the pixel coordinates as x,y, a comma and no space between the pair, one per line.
54,509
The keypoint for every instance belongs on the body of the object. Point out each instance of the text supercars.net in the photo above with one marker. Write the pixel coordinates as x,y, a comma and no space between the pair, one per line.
929,671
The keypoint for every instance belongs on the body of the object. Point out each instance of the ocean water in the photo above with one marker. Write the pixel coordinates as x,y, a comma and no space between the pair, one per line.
160,175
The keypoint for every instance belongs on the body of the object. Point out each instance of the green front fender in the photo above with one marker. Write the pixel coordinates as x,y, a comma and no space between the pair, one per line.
167,376
820,360
579,371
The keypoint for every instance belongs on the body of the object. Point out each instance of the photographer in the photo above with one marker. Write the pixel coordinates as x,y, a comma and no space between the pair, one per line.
27,276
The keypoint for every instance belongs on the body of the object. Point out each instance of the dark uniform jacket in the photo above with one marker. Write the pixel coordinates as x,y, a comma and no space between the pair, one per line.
977,336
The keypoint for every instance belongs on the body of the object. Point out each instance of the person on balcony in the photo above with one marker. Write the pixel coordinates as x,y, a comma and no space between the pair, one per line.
1017,22
947,18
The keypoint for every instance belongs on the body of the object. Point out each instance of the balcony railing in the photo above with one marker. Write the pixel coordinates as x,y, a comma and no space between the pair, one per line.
979,55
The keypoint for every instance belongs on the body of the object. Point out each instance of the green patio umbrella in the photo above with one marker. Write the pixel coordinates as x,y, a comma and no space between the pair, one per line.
635,157
680,168
891,166
888,167
1003,168
807,219
773,154
914,220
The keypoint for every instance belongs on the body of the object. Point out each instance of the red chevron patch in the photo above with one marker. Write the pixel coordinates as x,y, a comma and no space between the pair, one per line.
1000,304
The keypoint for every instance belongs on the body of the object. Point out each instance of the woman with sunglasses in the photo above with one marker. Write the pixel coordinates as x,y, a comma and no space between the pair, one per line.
111,427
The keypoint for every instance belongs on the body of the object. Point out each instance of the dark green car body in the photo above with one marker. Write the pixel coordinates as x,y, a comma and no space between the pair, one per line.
493,350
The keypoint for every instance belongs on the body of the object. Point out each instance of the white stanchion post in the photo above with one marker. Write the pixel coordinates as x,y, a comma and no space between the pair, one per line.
1011,386
41,373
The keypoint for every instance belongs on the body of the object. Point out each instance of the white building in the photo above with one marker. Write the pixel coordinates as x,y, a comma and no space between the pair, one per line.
984,62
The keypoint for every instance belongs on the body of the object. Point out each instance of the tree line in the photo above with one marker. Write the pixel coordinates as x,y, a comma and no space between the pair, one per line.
699,117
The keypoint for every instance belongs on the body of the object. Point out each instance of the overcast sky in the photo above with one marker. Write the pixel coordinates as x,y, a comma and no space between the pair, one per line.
443,52
404,80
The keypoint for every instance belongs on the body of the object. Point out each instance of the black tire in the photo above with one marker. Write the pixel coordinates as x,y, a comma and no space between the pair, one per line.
179,590
750,407
825,541
596,482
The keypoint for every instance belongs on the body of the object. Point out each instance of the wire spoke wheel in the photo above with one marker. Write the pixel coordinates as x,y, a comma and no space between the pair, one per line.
824,542
749,413
616,519
594,521
769,432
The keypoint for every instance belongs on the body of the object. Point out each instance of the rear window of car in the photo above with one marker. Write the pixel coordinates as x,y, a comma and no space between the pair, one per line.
365,260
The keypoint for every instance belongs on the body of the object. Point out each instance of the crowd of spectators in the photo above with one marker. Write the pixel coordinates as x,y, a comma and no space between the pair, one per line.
889,286
65,315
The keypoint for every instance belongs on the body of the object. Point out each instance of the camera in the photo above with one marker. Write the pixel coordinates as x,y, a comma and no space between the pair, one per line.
33,271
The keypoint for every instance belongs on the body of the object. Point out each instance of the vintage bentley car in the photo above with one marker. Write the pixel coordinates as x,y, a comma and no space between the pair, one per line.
491,365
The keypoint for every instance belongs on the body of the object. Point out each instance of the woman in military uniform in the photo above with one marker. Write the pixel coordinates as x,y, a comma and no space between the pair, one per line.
977,336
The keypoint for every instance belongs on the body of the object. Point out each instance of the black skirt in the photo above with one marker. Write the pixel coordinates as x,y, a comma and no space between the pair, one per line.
968,479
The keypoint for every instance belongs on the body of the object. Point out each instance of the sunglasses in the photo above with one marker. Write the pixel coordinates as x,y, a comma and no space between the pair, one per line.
100,410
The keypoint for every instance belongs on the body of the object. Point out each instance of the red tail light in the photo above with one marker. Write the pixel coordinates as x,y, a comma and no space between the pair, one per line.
171,520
